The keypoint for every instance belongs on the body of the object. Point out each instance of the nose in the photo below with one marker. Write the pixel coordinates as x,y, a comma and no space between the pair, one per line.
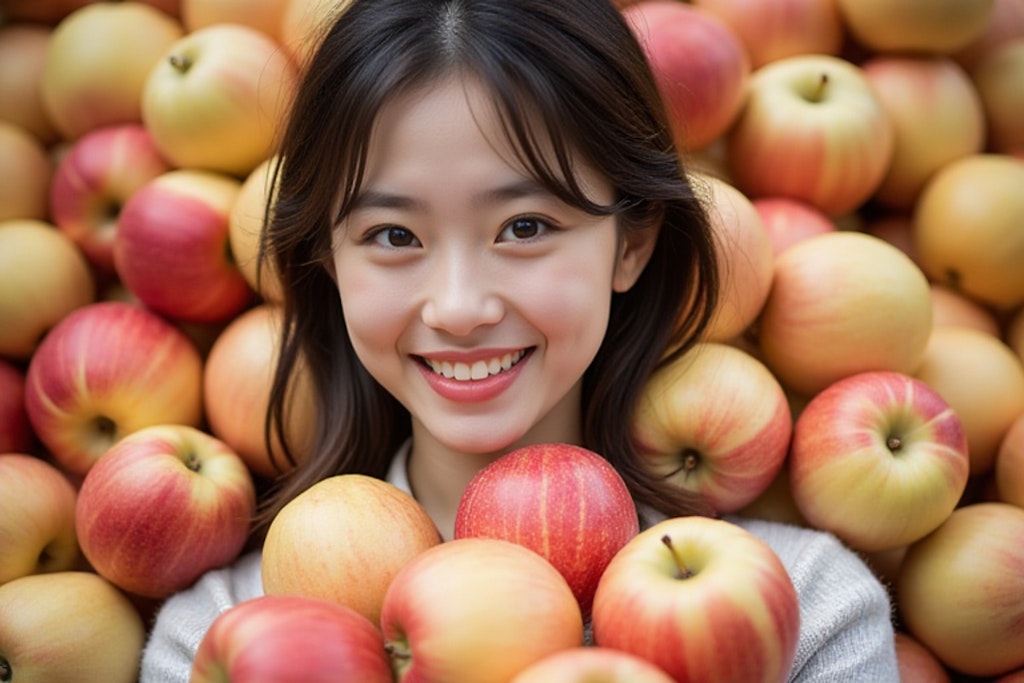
460,297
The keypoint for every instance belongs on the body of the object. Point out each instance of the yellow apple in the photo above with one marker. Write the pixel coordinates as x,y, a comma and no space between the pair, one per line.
929,26
301,24
23,47
263,15
999,79
245,230
1009,465
25,174
950,307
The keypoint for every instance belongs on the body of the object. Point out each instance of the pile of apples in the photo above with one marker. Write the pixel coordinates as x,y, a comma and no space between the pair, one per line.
863,161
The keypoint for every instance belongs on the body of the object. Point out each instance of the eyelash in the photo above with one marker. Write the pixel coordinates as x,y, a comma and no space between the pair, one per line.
382,234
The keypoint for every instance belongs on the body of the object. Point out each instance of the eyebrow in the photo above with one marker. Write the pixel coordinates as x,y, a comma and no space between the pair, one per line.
518,189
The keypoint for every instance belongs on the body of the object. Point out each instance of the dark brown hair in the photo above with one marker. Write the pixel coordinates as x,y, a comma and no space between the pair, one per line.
567,73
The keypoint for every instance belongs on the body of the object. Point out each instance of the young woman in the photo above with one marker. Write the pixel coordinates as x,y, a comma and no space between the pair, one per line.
486,240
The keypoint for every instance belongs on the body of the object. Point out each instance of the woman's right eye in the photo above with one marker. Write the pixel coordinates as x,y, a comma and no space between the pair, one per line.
394,236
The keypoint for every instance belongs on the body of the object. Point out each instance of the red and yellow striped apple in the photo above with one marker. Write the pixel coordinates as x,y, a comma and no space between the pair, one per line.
592,665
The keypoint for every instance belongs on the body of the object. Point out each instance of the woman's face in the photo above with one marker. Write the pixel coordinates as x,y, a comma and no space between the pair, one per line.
470,293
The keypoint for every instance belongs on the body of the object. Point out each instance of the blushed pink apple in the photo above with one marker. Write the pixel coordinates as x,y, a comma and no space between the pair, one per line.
95,177
715,422
104,371
703,599
15,430
162,506
879,459
699,63
787,221
564,502
171,246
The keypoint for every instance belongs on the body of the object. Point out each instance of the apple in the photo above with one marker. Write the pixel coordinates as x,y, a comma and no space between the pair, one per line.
592,665
894,226
25,174
775,503
788,221
303,22
937,115
263,15
23,48
245,231
1009,465
375,530
37,518
290,639
171,246
1005,22
843,303
982,379
44,277
206,501
237,376
97,174
68,626
745,260
998,80
917,664
703,599
15,431
915,26
715,422
812,129
564,502
97,62
879,459
773,29
104,371
476,610
950,307
699,64
1013,333
216,98
959,589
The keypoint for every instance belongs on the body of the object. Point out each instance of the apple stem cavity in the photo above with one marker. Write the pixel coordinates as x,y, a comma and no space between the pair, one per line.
181,63
5,671
894,444
105,427
192,461
399,656
819,92
682,571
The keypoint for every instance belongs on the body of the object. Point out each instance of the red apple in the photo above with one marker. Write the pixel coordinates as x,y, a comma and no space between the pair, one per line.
23,47
43,278
917,664
105,371
289,639
812,129
999,79
703,599
95,177
700,65
879,459
773,29
1005,23
1009,465
216,98
959,589
476,610
15,430
25,174
564,502
206,500
937,116
788,221
938,27
171,246
592,665
376,528
843,303
715,422
37,518
68,626
97,63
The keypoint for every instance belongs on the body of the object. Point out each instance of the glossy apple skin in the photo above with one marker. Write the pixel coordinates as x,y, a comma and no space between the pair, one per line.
878,458
95,177
376,528
592,664
733,616
715,422
206,503
104,371
443,619
290,639
959,589
37,518
564,502
69,626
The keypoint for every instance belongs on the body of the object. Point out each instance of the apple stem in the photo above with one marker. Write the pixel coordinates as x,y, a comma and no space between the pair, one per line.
180,62
5,670
192,461
819,93
894,443
399,655
681,570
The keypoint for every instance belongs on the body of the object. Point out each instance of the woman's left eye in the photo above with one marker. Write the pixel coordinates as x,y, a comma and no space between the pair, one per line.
523,228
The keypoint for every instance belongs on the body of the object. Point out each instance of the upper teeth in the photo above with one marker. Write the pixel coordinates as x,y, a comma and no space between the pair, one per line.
478,370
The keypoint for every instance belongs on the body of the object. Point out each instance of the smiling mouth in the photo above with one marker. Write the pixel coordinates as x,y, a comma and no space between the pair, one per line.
478,370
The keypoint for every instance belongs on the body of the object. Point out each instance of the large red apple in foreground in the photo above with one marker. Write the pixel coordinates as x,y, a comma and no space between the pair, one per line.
477,610
163,506
879,459
959,589
703,599
375,529
105,371
290,639
564,502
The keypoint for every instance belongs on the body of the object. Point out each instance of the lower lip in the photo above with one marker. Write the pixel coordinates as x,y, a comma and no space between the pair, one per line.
473,391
